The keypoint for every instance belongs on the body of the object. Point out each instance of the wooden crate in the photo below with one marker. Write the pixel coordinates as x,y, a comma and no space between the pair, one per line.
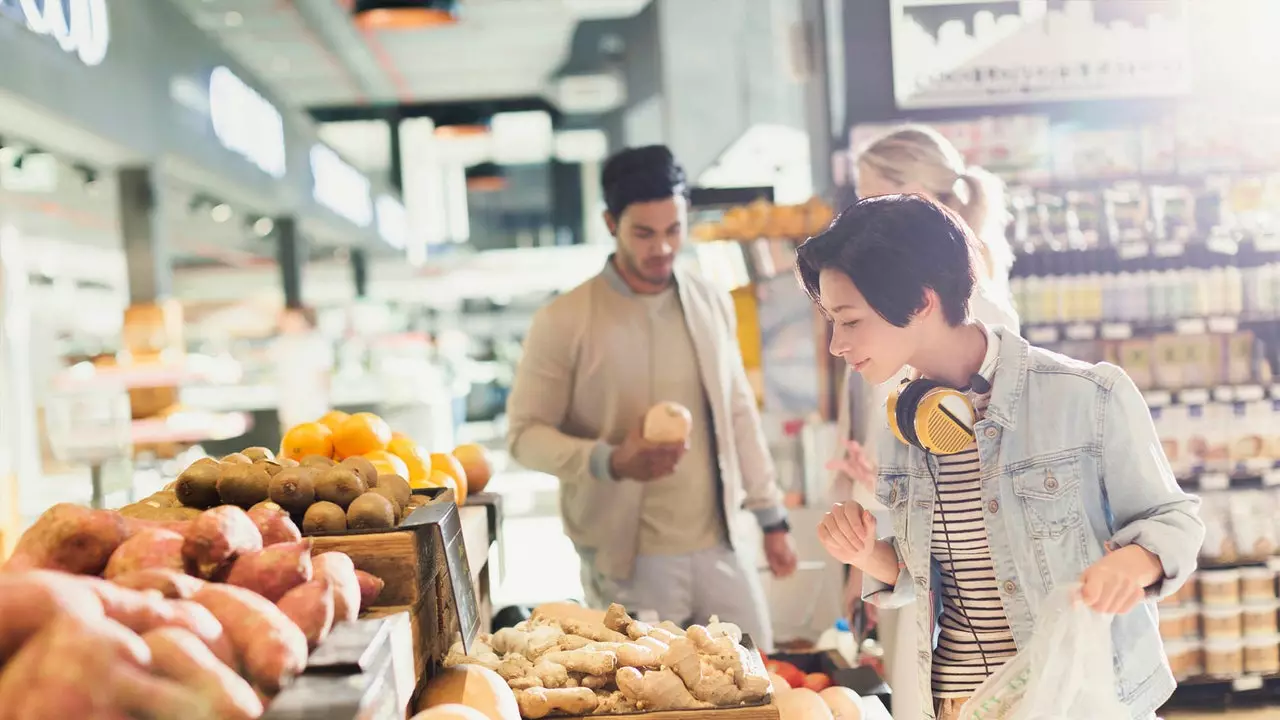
413,560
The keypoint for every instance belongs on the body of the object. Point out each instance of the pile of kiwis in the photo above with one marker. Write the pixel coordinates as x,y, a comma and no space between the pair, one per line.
321,495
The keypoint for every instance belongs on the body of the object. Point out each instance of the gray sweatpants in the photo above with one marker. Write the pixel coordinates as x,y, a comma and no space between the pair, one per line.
687,589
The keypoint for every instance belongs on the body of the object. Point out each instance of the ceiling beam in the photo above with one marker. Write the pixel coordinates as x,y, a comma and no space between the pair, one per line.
331,22
446,113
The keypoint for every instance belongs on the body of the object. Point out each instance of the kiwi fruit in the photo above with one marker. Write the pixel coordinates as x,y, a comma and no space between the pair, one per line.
238,459
389,494
288,462
268,505
365,468
399,486
258,453
317,461
324,517
243,485
414,503
371,511
270,466
339,485
164,499
197,486
293,489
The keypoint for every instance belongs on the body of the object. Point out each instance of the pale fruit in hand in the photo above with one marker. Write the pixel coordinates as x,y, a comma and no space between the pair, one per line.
668,422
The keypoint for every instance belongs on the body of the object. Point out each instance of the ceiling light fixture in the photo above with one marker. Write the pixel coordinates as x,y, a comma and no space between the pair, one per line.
221,212
404,14
263,226
485,177
233,19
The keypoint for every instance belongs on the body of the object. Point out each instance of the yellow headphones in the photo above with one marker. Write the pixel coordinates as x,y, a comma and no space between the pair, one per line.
933,417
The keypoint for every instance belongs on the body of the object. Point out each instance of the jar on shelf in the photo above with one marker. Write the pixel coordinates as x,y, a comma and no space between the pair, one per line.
1177,623
1220,587
1224,658
1259,618
1221,623
1262,655
1257,584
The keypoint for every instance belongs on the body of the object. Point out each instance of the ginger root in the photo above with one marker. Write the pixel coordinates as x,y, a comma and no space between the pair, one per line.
591,631
538,703
657,690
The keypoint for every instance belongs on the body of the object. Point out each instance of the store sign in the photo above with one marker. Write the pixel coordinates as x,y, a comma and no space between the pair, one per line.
247,123
80,27
393,221
949,53
340,187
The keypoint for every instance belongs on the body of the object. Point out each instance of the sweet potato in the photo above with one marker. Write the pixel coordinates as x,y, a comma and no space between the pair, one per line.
78,668
178,655
151,548
270,647
216,537
145,611
338,569
370,586
29,600
310,607
275,525
171,584
274,570
70,538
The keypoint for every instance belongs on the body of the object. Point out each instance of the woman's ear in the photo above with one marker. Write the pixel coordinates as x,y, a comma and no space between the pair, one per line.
929,303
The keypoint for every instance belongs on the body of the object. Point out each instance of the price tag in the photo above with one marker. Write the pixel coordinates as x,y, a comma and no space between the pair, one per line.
1245,683
1157,398
1133,251
1081,331
1250,393
1224,324
1195,396
1266,242
1224,393
1042,334
1215,481
1222,245
1271,478
1191,326
1170,248
1117,331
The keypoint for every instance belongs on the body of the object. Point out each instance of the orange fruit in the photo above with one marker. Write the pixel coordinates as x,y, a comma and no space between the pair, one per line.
441,479
449,465
382,459
333,419
475,463
307,439
413,455
360,434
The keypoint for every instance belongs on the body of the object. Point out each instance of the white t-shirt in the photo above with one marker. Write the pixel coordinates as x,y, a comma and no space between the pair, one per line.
303,364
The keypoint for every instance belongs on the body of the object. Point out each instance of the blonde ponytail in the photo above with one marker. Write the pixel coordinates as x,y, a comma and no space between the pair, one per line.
984,210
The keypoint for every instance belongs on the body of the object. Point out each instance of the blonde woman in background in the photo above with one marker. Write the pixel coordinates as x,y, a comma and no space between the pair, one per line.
916,159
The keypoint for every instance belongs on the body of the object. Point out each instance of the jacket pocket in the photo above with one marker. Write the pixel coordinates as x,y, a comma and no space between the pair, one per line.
1048,496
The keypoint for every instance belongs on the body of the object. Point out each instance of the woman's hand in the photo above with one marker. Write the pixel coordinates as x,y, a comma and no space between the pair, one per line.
1118,582
848,533
855,464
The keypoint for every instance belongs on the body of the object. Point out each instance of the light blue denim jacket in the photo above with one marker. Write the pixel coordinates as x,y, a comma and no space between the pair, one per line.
1070,461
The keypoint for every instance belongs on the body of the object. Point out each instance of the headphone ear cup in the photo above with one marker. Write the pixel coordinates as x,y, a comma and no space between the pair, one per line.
905,412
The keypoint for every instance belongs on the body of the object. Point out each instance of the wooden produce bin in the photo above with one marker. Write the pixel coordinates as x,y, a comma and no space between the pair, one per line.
435,566
363,670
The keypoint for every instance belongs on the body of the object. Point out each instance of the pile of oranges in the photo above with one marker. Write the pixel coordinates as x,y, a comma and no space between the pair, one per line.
338,436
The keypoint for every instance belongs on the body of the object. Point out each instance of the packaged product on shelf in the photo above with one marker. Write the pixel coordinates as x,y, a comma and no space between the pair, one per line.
1167,363
1136,359
1219,588
1180,622
1127,209
1259,618
1224,658
1252,523
1217,417
1200,361
1257,584
1239,356
1186,658
1262,655
1173,212
1196,432
1221,623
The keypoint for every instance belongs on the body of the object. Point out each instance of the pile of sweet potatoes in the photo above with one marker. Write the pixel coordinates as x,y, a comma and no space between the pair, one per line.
182,619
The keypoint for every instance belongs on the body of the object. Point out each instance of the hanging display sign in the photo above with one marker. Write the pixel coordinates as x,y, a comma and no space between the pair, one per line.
340,187
80,27
949,53
393,221
247,123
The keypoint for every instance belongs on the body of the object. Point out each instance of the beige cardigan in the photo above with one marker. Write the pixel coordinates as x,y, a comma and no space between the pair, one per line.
567,410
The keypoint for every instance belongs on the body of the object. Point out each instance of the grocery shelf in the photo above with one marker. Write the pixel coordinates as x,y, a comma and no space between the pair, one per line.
1046,333
190,427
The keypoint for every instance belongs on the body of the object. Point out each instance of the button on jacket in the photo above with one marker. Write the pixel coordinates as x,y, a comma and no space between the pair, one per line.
1070,462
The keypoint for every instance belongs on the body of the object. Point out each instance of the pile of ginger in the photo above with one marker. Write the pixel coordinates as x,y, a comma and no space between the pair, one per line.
572,666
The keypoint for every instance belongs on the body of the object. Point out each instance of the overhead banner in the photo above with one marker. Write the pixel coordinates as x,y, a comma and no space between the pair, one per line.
949,53
80,27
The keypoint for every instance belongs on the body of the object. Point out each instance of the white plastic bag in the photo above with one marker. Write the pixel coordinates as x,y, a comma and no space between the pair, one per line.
1066,673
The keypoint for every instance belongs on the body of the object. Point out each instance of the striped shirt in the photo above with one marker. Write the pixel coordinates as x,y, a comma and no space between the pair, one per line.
973,622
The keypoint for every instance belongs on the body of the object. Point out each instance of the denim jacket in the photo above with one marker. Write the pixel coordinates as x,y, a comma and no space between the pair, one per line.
1070,462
